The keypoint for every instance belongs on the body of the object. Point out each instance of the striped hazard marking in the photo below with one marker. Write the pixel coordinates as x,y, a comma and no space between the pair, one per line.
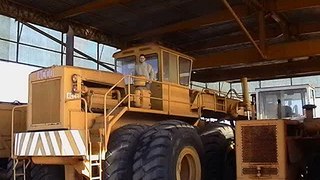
50,143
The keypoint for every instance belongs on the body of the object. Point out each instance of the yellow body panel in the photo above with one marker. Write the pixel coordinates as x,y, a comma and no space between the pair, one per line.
5,126
65,102
261,149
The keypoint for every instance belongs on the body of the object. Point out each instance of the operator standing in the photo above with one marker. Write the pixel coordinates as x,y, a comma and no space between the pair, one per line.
144,69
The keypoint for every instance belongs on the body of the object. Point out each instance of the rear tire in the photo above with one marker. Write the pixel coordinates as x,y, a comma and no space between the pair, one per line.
47,172
3,173
219,160
3,168
121,148
169,150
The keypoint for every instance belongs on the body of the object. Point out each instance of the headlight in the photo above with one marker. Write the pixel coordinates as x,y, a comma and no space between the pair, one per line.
75,89
74,78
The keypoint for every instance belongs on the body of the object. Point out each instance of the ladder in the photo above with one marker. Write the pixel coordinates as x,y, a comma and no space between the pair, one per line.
95,164
20,163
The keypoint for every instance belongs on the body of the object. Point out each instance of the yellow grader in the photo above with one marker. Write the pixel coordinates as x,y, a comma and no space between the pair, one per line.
89,124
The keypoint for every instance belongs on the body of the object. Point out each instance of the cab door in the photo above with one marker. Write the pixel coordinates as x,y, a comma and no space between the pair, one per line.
176,78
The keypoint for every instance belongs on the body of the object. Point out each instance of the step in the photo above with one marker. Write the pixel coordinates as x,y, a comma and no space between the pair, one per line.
95,164
93,178
19,174
94,157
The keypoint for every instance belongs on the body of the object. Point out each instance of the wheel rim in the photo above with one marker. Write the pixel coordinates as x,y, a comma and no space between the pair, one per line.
188,166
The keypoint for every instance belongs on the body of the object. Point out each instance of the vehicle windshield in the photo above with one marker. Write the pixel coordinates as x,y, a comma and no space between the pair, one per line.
126,65
282,104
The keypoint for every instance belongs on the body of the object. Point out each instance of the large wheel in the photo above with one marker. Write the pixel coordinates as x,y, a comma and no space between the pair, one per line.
3,168
3,174
171,150
219,158
312,171
121,148
47,172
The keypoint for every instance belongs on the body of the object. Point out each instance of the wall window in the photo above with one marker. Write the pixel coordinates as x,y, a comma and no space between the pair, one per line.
23,45
276,82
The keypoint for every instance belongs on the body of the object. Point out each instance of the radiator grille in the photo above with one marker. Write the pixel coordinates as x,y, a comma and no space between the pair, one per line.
46,102
259,144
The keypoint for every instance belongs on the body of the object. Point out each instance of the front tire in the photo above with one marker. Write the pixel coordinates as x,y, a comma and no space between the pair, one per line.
217,139
121,148
169,150
313,167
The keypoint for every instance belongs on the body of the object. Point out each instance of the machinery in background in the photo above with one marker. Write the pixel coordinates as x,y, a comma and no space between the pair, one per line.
284,142
20,119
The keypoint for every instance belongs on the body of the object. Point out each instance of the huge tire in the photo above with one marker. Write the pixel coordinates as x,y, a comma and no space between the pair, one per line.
121,148
3,168
47,172
3,174
171,150
312,171
219,158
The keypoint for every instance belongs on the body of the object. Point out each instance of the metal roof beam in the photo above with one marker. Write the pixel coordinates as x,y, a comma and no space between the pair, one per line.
286,5
225,16
206,20
298,29
89,7
244,29
280,70
280,51
25,14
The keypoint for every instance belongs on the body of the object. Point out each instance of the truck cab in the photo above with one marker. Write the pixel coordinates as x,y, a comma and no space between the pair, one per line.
284,102
172,76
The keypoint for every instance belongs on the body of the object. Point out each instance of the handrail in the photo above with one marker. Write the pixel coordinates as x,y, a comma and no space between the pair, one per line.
105,97
113,109
86,124
12,129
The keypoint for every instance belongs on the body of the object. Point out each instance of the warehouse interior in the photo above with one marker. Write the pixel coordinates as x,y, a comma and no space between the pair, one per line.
236,93
272,43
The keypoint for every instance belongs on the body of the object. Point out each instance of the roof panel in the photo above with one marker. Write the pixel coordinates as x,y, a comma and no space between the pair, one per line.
202,28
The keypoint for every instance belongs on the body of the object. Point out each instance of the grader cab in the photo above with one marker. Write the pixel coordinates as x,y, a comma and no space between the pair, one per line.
102,125
284,142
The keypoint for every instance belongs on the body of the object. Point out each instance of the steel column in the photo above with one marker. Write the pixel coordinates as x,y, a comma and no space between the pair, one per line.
70,47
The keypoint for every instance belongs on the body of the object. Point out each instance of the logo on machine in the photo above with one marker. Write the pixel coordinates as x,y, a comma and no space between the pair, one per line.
45,74
71,95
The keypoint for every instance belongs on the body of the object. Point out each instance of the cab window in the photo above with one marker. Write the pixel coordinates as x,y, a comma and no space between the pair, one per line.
152,59
125,65
184,71
170,67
